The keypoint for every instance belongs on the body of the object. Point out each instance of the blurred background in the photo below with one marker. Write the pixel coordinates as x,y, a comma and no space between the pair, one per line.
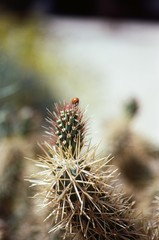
106,52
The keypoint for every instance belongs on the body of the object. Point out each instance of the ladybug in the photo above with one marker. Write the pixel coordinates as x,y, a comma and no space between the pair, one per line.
75,101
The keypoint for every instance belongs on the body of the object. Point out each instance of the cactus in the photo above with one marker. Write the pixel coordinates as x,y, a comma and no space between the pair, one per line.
78,188
131,108
67,128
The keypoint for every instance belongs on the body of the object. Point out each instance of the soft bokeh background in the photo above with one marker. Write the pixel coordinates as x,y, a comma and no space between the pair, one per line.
104,52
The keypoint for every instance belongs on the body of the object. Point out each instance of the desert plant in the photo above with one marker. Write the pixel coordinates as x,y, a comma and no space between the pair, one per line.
78,188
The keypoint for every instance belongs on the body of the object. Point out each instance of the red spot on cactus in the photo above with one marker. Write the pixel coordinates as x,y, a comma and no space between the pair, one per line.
75,101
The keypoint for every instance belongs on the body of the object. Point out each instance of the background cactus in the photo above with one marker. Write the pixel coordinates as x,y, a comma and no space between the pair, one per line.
135,156
79,189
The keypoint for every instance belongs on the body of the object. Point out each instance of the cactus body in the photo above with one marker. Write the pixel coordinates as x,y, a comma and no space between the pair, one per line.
67,128
82,198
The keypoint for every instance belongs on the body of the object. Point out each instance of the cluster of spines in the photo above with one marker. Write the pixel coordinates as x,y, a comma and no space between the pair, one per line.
67,127
82,200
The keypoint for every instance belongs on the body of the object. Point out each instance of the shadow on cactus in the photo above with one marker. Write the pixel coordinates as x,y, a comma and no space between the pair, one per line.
79,189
